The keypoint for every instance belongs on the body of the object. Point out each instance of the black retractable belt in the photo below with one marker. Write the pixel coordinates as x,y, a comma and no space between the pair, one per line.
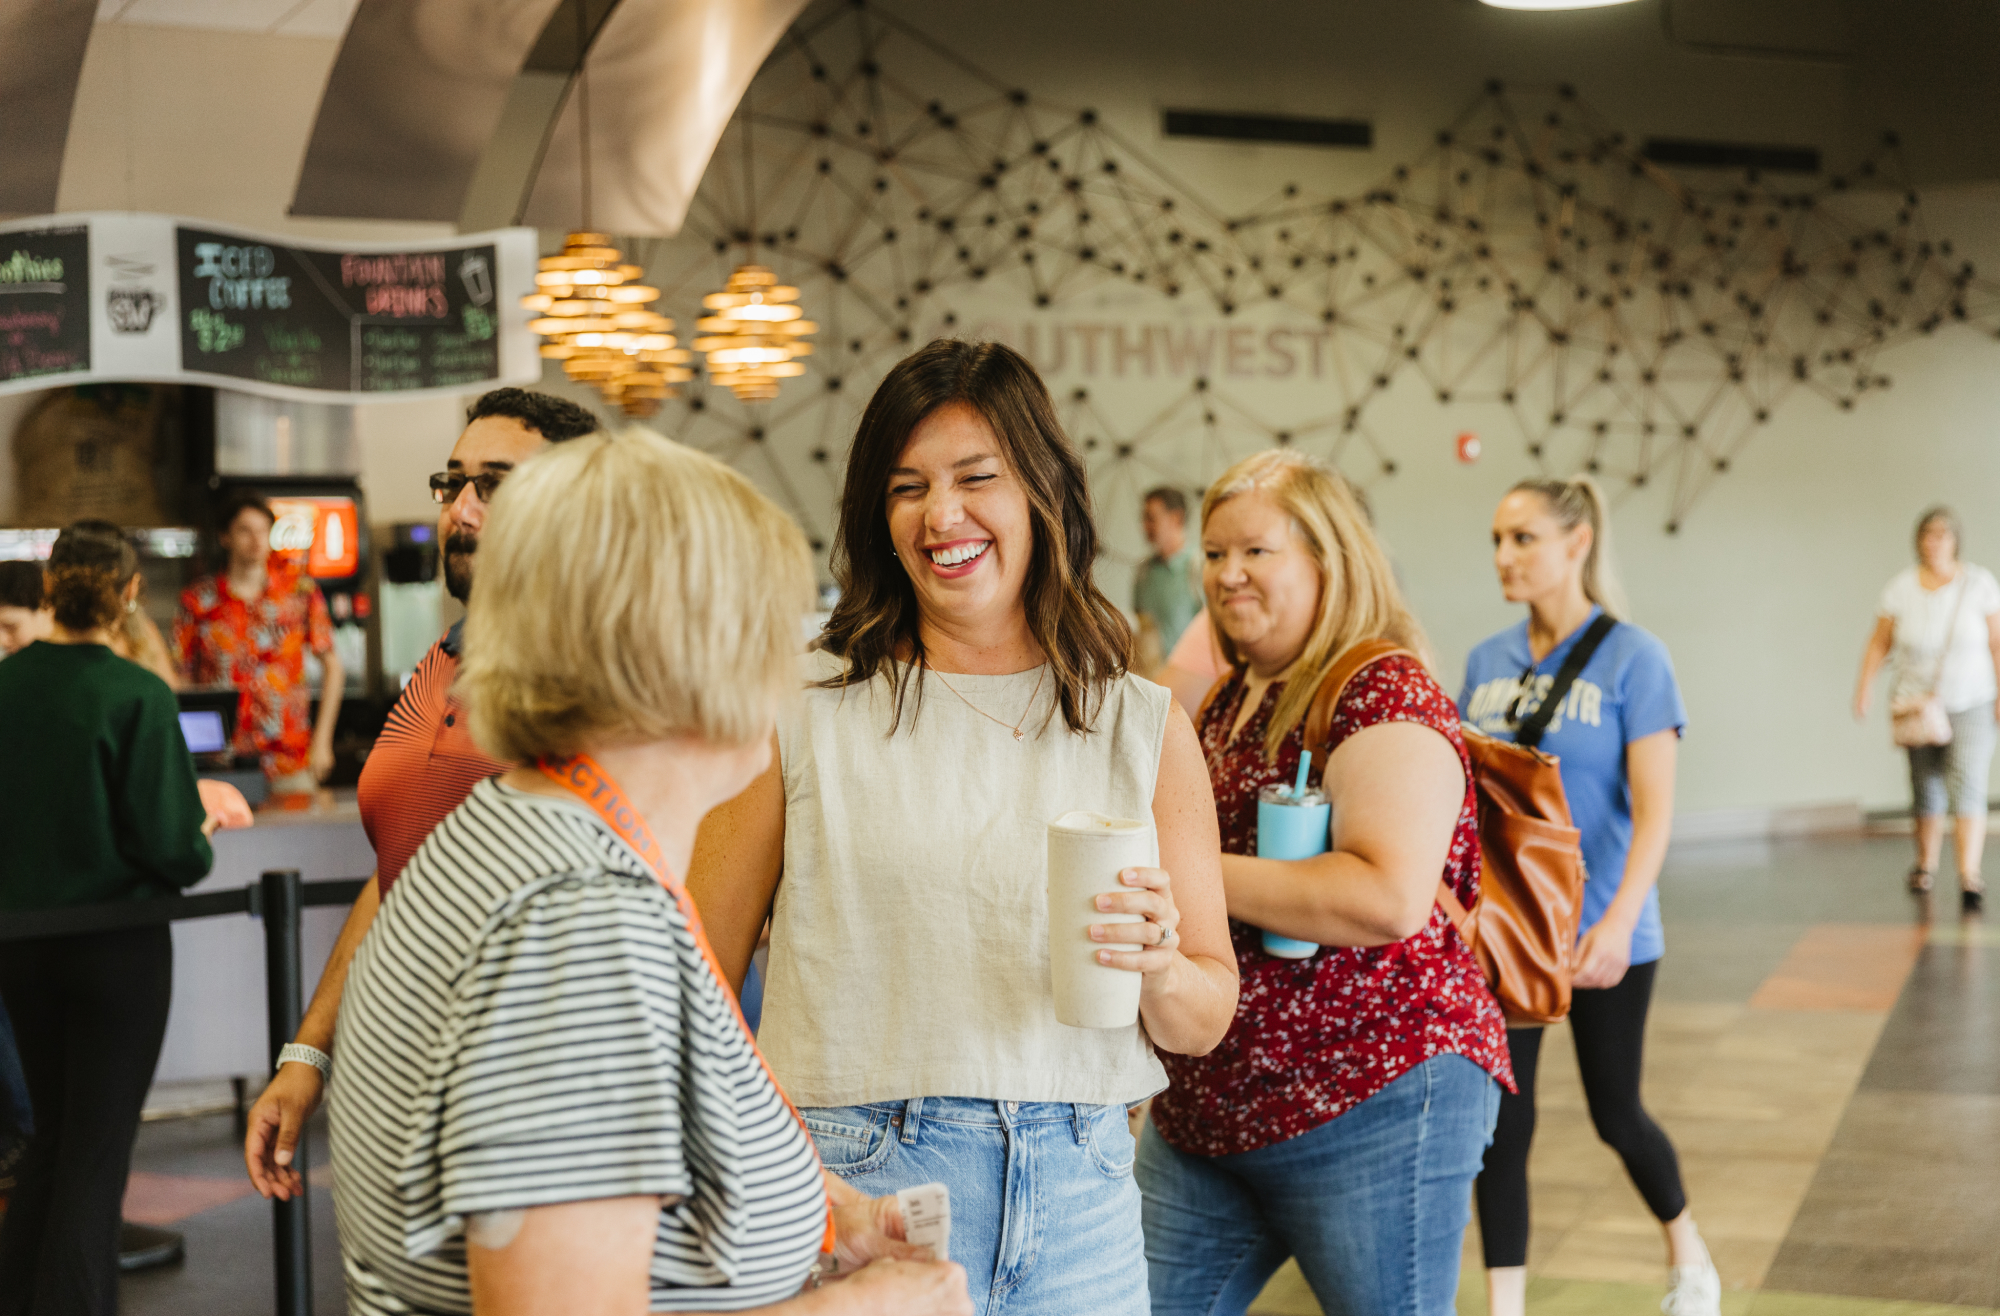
1530,733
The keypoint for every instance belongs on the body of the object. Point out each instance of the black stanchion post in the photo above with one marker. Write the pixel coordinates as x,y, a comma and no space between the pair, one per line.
280,898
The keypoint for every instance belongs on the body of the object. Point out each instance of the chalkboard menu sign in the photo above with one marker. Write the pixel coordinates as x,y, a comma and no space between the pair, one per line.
350,322
44,302
135,297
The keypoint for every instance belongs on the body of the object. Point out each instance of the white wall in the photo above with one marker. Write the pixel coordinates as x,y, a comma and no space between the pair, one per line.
1764,598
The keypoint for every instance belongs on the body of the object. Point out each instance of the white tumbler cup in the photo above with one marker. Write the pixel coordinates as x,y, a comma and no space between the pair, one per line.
1087,851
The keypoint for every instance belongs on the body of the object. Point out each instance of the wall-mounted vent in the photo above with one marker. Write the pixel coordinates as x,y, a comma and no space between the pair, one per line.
1732,155
1282,129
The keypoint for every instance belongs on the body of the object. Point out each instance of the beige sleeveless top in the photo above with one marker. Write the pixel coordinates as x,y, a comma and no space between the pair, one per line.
909,944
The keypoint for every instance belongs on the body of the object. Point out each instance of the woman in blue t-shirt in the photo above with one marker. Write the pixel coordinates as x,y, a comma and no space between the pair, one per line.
1616,731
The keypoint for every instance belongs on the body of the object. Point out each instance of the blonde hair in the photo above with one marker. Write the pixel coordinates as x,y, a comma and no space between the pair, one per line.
630,585
1359,598
1581,502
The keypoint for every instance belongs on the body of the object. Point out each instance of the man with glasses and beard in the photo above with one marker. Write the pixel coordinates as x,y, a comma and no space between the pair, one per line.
423,765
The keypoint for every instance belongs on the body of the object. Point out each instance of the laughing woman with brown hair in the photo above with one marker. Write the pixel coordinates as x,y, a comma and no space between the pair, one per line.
971,689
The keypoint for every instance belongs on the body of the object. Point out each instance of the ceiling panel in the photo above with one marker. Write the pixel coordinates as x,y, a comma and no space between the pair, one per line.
1811,28
319,18
665,77
41,54
411,103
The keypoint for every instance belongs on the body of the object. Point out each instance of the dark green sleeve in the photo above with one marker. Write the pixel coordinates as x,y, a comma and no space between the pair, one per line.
158,811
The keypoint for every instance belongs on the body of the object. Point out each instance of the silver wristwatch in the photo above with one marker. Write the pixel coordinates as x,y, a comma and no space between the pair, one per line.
298,1052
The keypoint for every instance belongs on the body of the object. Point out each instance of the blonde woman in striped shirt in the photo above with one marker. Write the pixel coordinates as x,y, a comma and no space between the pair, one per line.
546,1099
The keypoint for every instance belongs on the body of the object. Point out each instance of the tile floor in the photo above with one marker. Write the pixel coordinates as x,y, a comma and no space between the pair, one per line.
1826,1058
1825,1054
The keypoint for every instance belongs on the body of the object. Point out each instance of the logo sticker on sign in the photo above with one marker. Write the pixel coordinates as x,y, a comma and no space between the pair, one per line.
927,1217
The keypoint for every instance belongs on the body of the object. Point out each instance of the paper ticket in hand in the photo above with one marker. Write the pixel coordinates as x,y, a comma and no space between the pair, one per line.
927,1217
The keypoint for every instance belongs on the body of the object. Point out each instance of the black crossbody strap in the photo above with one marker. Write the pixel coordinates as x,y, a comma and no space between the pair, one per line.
1531,732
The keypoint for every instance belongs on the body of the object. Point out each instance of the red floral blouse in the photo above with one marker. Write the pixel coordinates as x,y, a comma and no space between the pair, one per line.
1314,1038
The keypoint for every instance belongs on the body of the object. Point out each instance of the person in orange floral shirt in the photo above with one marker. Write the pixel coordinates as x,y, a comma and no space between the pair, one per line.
249,626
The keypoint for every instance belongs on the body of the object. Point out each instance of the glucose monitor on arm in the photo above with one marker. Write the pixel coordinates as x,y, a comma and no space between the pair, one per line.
927,1217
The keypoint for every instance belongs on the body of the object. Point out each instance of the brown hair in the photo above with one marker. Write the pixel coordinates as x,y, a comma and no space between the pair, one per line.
1359,598
1086,639
1578,502
21,585
87,575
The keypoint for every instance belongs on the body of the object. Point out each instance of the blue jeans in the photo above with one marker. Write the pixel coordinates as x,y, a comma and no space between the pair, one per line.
1044,1213
1373,1203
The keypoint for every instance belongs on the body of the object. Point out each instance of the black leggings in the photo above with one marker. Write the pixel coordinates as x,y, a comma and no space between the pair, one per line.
89,1013
1609,1026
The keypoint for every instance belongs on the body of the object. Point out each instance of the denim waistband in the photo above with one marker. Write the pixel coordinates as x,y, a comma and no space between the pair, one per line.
982,1112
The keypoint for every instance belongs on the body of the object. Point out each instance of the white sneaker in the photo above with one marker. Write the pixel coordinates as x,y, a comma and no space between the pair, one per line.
1693,1290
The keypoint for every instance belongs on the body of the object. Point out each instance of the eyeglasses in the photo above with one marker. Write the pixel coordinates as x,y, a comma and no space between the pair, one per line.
447,485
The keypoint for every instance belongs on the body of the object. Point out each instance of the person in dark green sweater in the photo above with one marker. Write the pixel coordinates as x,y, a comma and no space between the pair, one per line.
101,805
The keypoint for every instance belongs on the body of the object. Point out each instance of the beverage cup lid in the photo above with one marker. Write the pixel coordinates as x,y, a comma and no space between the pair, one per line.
1097,824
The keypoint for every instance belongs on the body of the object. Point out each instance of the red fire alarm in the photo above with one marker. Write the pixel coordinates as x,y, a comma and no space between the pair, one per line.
1468,447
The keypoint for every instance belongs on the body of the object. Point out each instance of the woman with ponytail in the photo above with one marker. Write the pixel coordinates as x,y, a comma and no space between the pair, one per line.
136,636
1616,730
102,806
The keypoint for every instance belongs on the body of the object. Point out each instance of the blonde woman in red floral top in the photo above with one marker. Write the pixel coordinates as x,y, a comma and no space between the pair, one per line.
1343,1118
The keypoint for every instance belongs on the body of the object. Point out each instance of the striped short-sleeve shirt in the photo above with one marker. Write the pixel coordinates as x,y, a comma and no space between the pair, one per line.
531,1021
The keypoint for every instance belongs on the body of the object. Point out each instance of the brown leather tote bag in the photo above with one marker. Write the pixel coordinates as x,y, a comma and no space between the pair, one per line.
1523,927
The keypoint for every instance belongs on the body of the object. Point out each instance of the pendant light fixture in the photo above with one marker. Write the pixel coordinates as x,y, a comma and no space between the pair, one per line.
597,318
754,335
757,329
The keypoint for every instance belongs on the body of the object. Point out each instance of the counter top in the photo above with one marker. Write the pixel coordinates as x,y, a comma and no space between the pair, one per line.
321,808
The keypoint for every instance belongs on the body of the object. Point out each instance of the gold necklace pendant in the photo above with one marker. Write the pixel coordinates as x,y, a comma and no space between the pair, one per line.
1015,730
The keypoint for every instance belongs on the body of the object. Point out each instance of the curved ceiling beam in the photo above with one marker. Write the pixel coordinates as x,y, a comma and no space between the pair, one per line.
41,56
461,110
412,102
665,77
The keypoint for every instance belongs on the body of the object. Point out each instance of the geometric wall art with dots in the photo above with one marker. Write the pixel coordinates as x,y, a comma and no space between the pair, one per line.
1629,320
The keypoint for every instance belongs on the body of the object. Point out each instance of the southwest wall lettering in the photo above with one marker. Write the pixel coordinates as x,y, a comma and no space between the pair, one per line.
1242,351
1121,353
1189,354
1089,333
1277,347
1113,349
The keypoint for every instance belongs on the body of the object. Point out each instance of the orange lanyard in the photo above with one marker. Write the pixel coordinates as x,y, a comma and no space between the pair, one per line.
581,776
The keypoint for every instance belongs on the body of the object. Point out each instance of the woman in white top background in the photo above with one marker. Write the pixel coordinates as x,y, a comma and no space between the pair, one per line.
1941,622
970,689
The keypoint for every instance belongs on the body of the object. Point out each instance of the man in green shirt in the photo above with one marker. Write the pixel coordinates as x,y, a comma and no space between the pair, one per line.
1168,586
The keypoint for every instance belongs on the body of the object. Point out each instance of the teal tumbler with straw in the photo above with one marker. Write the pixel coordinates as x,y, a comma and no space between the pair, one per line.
1292,823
